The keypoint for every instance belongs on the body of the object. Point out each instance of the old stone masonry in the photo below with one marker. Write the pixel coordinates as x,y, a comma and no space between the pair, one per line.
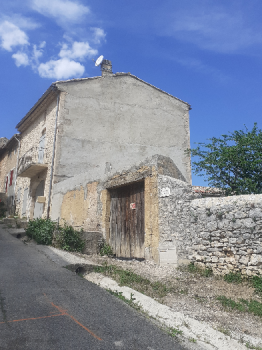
222,233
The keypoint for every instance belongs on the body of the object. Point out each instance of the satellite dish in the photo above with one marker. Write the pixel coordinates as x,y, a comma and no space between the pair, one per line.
99,60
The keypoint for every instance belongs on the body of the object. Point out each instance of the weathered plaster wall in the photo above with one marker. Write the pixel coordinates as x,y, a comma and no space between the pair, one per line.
79,207
223,233
87,204
115,122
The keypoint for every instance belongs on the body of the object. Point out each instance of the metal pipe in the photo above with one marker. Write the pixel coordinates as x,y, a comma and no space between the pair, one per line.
16,170
53,157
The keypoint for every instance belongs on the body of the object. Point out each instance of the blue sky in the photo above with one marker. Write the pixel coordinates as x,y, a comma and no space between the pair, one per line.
205,52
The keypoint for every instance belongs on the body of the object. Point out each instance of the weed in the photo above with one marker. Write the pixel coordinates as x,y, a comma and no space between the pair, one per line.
18,225
9,225
69,239
208,212
132,280
174,332
192,268
233,277
234,220
184,291
192,340
220,215
105,249
224,331
257,284
254,219
243,305
130,301
250,346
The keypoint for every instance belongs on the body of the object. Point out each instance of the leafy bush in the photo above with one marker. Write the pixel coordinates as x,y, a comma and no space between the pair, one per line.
2,209
41,230
70,239
66,238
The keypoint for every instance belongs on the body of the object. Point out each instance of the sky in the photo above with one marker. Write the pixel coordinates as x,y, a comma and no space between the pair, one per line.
207,53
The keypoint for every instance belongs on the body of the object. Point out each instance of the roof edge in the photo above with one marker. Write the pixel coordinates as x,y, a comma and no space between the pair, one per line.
118,75
52,88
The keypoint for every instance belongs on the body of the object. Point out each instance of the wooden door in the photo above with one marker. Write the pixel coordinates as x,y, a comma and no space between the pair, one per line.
127,232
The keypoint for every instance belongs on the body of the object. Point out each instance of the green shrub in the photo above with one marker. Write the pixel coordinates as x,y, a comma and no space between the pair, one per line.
41,230
70,239
2,209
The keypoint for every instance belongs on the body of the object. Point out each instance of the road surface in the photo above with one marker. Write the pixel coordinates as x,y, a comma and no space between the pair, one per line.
45,307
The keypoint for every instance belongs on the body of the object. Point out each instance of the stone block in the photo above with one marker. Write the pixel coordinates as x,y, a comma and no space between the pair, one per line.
92,241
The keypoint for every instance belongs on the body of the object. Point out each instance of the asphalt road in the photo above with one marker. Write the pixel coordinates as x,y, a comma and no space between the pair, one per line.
44,306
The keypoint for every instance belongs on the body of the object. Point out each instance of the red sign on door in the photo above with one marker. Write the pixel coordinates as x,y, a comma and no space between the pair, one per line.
132,205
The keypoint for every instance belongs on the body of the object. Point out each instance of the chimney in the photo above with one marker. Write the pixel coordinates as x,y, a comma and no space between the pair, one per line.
106,68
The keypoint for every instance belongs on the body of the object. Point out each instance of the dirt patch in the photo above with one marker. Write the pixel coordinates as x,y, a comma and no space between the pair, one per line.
196,295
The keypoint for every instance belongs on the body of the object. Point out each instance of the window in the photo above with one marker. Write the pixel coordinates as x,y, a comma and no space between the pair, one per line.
11,177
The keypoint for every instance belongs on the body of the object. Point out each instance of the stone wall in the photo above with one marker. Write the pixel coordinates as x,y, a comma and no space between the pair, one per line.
43,122
8,160
223,233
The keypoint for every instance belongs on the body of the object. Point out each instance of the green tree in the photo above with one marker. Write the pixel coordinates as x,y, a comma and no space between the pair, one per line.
232,162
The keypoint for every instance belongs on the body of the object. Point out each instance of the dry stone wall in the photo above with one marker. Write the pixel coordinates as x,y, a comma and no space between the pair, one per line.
223,233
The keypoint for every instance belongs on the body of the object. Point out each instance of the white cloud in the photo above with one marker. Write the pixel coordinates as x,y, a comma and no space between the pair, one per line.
61,69
21,59
38,52
20,21
11,36
99,35
79,50
213,28
60,9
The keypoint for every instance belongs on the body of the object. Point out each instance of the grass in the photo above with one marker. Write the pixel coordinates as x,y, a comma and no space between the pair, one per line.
132,280
257,284
224,331
251,306
233,277
250,346
192,268
237,278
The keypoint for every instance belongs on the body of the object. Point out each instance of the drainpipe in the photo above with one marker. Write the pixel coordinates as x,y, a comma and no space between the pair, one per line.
53,158
16,166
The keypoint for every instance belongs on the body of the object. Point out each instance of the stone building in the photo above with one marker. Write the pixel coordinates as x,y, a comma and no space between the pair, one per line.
91,151
9,152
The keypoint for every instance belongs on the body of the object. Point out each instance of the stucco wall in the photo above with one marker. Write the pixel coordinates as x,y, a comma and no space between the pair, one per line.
115,122
223,233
